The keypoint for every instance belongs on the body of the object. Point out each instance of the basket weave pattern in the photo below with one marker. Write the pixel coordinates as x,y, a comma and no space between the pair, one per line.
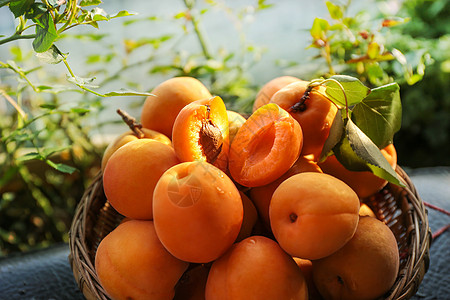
400,208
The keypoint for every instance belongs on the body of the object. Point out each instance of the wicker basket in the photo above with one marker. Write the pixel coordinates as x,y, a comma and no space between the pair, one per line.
400,208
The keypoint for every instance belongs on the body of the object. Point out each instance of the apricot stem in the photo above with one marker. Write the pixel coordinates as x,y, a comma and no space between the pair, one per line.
300,105
132,123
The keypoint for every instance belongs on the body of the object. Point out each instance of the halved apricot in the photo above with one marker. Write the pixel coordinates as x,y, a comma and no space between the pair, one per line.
265,147
200,132
169,97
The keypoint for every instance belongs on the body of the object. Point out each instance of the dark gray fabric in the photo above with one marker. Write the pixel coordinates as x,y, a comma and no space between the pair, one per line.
433,185
46,274
39,275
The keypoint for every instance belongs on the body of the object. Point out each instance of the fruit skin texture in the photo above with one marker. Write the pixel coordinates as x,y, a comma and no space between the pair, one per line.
197,211
315,120
261,195
129,262
313,214
364,183
200,132
131,175
265,147
365,268
159,111
255,268
271,87
129,136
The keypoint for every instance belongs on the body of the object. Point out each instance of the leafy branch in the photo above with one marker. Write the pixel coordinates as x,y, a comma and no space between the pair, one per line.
366,122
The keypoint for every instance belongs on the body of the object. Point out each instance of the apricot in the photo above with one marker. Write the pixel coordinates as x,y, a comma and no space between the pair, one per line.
364,210
129,136
191,285
197,211
255,268
271,87
364,183
169,97
265,147
262,195
313,214
305,266
130,260
131,175
250,217
364,268
315,114
200,132
235,121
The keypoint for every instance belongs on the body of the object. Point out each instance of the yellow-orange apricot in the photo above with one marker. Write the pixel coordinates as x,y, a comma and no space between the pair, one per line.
169,97
271,87
191,285
131,263
200,132
265,147
197,211
365,268
313,214
364,183
129,136
253,269
365,210
306,266
235,121
261,195
250,217
131,174
315,115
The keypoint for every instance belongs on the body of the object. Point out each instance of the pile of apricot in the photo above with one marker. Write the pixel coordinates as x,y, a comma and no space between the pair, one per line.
218,206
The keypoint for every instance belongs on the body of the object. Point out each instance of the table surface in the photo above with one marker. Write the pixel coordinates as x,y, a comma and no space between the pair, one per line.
46,274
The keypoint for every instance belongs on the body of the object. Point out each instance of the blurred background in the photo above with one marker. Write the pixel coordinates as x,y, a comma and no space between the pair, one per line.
55,122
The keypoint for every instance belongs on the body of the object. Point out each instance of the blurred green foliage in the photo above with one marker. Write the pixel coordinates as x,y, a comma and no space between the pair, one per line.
48,153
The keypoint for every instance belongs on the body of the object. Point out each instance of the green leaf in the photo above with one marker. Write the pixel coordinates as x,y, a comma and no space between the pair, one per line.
123,13
80,110
367,151
125,92
61,167
47,152
36,11
84,3
379,114
355,90
49,106
29,156
334,10
19,7
99,14
335,135
86,82
318,28
45,33
51,56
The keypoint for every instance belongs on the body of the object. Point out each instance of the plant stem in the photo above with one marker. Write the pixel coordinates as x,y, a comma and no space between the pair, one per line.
17,37
198,32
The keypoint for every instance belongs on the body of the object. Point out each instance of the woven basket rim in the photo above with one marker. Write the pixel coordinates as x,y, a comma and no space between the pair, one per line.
418,235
